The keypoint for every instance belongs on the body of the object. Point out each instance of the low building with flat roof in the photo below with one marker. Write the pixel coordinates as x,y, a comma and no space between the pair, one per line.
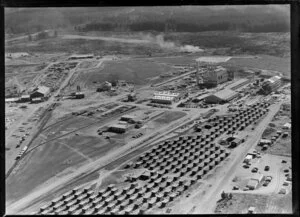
37,100
118,128
79,95
15,99
127,117
81,56
165,97
252,184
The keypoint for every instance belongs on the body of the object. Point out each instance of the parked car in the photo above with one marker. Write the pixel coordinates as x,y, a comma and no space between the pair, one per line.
246,166
267,168
235,187
269,178
254,170
266,183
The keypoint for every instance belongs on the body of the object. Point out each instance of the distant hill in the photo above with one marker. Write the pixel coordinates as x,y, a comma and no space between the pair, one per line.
267,18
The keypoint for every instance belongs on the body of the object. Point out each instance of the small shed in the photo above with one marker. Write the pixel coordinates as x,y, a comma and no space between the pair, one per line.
127,118
118,128
252,184
79,95
40,92
36,100
25,98
287,126
258,177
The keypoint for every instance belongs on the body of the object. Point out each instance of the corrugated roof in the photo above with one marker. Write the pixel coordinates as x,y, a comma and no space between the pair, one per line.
119,126
25,96
43,89
274,79
79,93
163,97
252,183
11,99
166,93
238,82
37,99
225,94
257,177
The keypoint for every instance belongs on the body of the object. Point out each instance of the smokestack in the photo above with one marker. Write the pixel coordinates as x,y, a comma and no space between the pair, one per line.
197,73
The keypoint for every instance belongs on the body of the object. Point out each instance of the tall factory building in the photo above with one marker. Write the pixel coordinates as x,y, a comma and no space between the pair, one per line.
214,76
271,84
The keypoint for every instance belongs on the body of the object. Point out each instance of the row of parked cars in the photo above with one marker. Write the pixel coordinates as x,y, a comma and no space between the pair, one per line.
137,136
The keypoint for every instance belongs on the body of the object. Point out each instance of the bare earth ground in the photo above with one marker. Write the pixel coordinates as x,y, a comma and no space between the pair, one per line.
36,174
266,204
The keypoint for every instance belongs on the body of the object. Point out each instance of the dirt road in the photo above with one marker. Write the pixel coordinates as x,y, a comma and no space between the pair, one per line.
209,201
88,168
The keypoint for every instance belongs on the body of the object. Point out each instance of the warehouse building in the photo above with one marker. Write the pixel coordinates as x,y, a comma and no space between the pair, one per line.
127,118
165,97
25,98
254,181
79,95
37,100
271,84
118,128
214,76
10,100
81,56
221,96
41,92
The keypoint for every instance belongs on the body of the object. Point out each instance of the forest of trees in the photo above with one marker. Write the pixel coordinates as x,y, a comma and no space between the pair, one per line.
181,19
185,27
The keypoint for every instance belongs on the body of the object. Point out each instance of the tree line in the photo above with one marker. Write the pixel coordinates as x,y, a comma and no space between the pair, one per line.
183,27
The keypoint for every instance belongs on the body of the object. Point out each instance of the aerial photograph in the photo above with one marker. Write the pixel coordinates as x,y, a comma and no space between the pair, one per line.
148,110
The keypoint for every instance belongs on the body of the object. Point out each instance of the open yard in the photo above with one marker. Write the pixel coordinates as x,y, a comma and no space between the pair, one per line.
38,166
168,117
265,62
266,204
136,71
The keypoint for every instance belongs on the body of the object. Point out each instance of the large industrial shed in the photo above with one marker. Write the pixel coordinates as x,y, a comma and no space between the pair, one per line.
221,96
40,92
165,97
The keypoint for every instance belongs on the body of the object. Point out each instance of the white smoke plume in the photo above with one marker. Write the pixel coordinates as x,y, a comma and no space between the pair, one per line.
159,39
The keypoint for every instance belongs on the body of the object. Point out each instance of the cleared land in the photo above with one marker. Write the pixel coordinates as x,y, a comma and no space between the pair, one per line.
136,71
265,62
240,203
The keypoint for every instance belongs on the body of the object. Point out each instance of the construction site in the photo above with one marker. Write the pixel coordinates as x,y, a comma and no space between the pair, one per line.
171,131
